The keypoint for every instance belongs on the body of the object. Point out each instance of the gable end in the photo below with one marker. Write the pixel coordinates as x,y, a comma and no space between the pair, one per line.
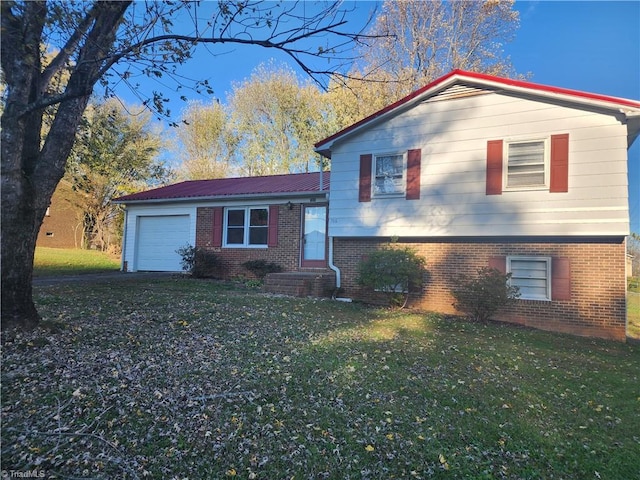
457,91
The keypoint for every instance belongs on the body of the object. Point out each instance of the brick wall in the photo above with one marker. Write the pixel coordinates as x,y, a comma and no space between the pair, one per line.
286,253
597,306
62,228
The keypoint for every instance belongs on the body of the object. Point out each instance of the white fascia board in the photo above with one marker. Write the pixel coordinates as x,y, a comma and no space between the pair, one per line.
227,198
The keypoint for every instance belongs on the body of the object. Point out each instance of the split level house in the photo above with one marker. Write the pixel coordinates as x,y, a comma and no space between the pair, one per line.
470,171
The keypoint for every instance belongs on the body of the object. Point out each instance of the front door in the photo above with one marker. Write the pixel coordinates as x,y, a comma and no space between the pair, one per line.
314,236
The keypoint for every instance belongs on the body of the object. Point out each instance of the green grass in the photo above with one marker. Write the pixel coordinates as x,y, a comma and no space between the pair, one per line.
633,315
179,378
58,261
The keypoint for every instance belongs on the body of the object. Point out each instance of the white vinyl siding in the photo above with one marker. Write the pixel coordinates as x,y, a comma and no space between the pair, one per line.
453,135
526,164
389,175
532,275
246,227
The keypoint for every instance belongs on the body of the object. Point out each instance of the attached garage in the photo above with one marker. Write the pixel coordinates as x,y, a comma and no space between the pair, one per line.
158,238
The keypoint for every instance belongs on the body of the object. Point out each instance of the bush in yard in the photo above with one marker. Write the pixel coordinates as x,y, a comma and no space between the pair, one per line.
483,295
199,262
394,271
260,268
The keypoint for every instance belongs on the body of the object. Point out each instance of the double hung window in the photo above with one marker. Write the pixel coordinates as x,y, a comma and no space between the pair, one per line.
526,165
246,227
389,175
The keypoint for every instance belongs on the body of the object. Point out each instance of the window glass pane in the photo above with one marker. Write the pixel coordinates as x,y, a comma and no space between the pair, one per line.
235,217
526,164
529,268
531,276
526,153
258,235
235,235
389,165
259,217
389,174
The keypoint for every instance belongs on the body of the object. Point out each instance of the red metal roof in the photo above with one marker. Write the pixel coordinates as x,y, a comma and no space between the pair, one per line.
479,78
229,187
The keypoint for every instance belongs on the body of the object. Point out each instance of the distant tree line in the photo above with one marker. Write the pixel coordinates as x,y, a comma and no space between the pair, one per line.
270,121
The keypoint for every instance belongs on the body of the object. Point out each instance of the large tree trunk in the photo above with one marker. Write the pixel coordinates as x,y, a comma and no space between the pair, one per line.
20,222
31,168
18,244
20,148
26,194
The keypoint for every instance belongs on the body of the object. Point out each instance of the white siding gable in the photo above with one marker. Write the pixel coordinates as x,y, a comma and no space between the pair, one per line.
452,134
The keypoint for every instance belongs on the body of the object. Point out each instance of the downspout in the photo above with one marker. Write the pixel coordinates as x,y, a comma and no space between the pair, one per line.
124,267
333,267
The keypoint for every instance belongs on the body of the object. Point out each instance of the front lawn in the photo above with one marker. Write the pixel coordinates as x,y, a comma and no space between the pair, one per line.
50,262
633,315
179,378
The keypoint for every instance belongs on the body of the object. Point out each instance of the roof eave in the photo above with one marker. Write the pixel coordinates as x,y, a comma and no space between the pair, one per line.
221,198
323,147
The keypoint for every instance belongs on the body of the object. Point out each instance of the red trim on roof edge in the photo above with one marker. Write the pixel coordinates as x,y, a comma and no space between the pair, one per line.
484,77
386,109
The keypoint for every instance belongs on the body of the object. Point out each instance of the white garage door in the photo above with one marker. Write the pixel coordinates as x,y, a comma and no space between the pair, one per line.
158,239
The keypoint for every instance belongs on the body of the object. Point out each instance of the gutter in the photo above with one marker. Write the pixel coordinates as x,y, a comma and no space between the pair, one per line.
227,198
123,262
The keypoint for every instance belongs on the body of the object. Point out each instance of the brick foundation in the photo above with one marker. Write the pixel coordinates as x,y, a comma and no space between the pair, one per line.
596,308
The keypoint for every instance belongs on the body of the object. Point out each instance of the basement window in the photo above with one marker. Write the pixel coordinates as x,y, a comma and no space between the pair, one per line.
532,275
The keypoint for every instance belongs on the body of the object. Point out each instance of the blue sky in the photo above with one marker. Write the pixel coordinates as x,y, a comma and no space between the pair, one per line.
588,46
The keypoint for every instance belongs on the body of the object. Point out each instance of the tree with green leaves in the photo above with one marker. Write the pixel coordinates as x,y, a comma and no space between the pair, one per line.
394,271
204,142
115,154
276,120
104,43
633,249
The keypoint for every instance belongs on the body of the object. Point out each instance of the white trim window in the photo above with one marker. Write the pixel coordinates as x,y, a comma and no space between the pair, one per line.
532,275
246,227
389,174
526,164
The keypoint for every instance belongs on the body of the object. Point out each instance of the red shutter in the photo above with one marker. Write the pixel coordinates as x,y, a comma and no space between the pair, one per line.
273,226
414,158
560,278
364,194
559,163
494,167
217,227
499,263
